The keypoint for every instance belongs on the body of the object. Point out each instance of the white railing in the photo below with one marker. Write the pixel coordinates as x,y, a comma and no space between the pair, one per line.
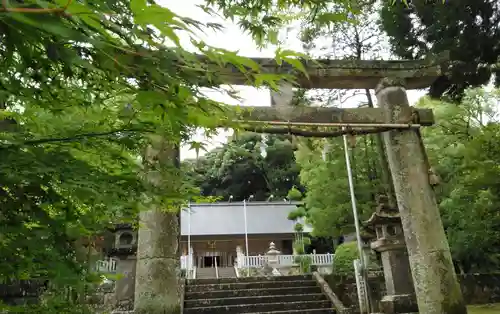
254,261
284,260
322,259
186,262
216,269
260,260
106,266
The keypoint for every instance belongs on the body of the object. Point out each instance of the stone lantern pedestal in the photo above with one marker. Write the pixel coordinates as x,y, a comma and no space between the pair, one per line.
390,242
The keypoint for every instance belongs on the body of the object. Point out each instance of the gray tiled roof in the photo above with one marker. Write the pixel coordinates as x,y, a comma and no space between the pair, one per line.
228,218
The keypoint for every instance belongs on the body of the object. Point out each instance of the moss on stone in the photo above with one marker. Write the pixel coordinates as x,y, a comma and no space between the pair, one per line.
158,307
453,303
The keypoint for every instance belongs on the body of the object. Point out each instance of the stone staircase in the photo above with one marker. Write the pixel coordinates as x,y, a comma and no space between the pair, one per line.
205,273
254,295
227,272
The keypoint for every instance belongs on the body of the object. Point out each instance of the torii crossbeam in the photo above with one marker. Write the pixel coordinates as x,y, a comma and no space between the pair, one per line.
336,74
340,74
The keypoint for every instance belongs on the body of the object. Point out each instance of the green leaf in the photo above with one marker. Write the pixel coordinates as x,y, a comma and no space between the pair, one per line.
271,80
296,63
138,7
50,25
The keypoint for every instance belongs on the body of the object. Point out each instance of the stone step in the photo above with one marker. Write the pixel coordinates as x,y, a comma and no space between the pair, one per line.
265,307
200,281
206,273
216,294
312,311
253,300
250,285
227,272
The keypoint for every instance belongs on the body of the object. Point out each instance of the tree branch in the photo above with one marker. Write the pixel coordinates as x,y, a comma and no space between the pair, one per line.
74,138
5,8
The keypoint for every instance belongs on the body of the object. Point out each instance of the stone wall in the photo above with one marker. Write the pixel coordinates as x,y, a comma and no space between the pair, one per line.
476,288
22,291
345,288
481,288
29,292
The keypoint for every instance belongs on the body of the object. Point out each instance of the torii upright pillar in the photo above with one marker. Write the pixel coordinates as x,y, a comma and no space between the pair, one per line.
436,285
157,280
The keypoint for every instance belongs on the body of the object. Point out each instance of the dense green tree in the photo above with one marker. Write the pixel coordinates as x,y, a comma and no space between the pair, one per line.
468,29
463,149
240,168
324,176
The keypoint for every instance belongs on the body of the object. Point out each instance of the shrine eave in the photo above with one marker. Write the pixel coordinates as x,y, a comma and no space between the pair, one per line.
381,219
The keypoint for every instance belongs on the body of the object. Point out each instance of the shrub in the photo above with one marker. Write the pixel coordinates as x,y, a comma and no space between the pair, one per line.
345,254
305,263
294,194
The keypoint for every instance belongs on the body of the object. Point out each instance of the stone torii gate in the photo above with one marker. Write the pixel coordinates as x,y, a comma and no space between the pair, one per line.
436,286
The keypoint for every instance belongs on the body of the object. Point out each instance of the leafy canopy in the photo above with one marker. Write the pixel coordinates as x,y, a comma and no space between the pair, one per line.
421,28
240,169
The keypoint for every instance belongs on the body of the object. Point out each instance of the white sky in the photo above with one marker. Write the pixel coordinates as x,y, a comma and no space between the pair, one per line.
232,38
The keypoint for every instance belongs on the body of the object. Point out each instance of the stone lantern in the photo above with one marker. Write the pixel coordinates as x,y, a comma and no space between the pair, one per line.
273,258
390,243
124,250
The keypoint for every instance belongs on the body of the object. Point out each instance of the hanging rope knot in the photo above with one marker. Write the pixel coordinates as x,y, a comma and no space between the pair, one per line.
434,179
415,118
351,136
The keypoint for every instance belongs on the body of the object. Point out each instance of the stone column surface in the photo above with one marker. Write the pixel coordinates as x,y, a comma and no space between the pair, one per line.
157,279
158,266
436,286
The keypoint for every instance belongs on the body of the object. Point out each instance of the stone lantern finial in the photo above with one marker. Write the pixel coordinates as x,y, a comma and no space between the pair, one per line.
272,249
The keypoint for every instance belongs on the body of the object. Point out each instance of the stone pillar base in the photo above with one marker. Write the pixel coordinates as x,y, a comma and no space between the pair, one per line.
397,304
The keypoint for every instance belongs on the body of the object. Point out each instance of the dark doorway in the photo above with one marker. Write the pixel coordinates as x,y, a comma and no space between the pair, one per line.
322,245
209,261
287,246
